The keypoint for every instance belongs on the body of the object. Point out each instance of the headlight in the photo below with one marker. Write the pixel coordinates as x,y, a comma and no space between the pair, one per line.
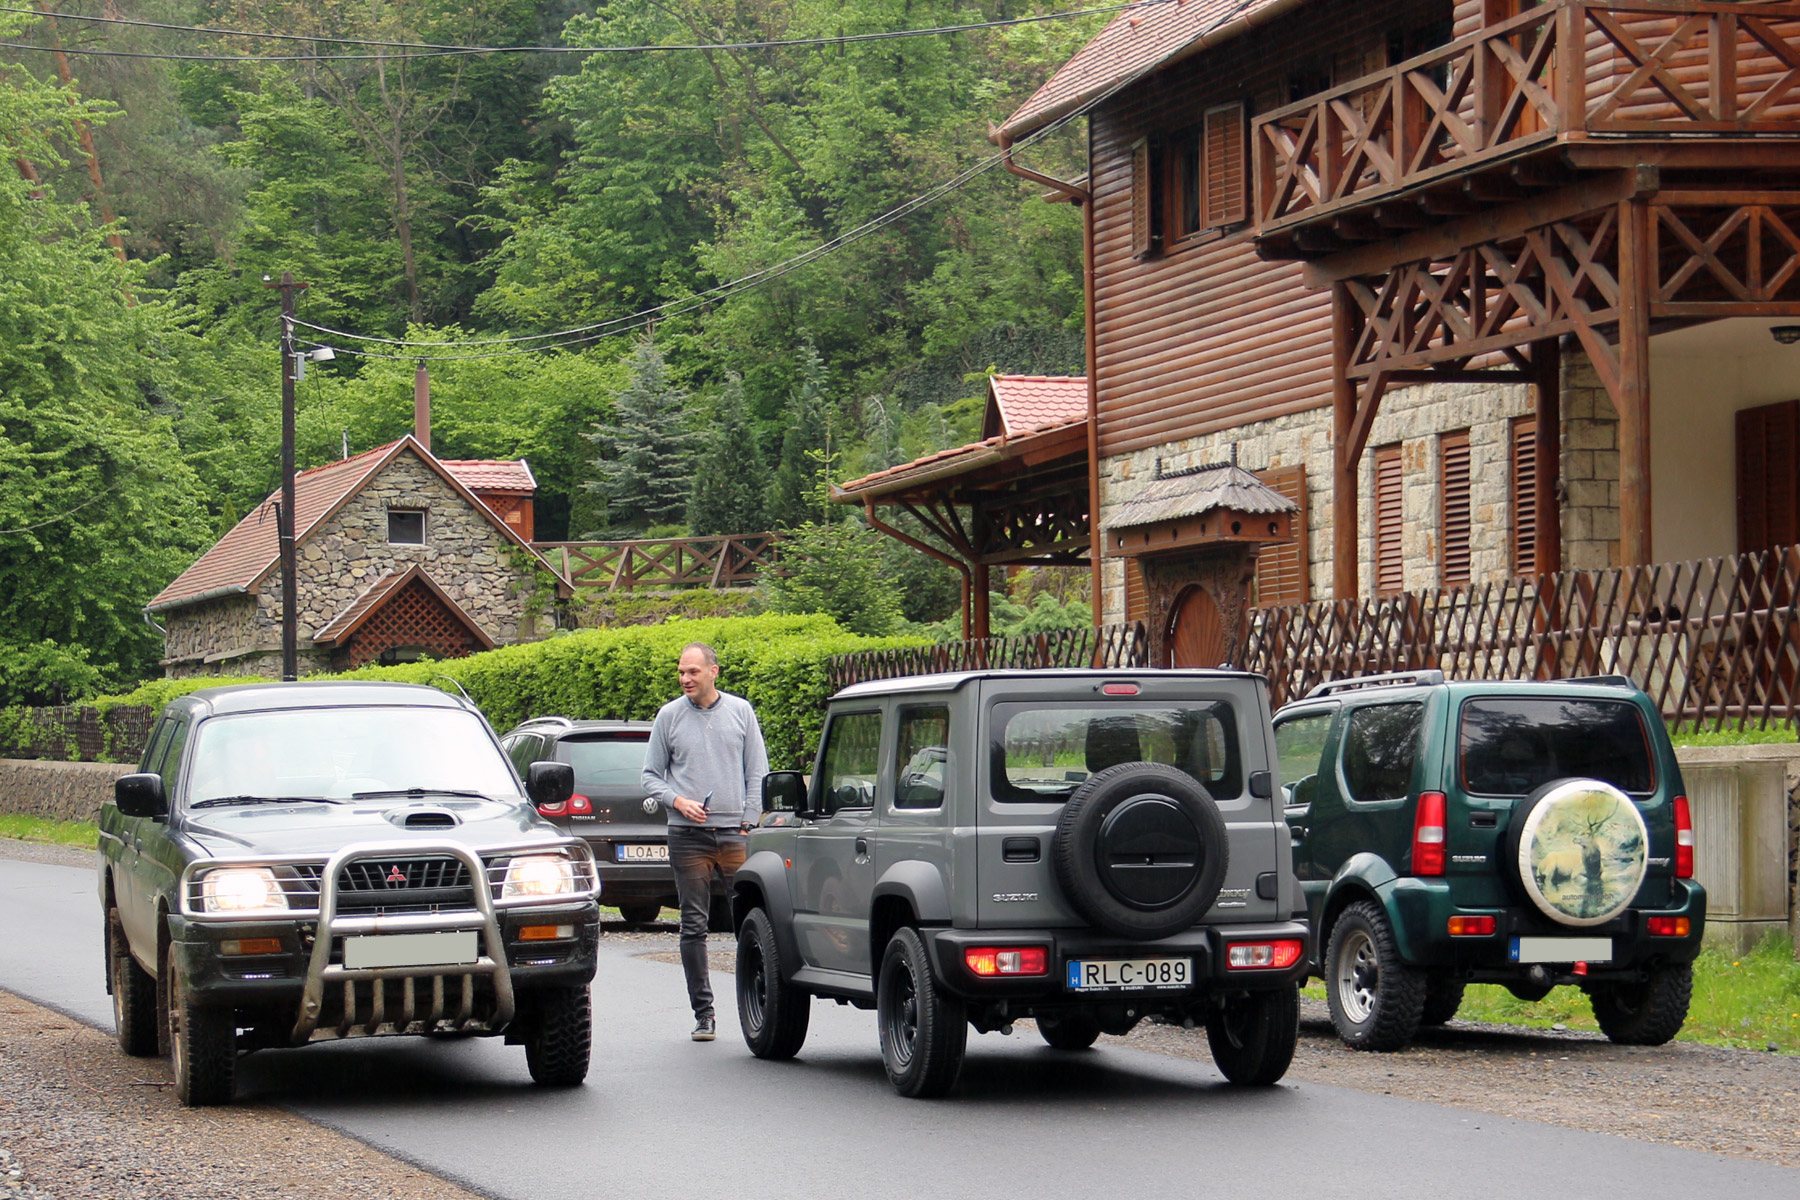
241,889
538,875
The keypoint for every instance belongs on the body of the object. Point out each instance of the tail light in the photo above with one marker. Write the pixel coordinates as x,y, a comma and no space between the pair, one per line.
1472,926
1428,835
553,810
1007,960
580,805
1669,926
1684,839
1263,956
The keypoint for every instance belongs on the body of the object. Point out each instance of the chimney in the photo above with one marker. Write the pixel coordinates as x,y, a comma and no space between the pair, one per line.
422,405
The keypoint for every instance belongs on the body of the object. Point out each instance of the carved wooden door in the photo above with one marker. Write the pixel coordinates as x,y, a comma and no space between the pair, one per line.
1197,635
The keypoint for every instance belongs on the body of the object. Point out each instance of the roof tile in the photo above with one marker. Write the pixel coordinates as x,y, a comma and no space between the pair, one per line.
1031,402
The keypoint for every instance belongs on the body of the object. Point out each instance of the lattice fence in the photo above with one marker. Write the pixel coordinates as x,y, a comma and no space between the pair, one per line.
1108,646
721,562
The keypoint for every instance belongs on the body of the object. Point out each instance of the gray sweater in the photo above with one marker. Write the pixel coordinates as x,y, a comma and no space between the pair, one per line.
719,750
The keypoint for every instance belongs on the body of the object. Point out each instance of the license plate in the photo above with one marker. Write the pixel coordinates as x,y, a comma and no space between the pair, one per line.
411,950
1561,950
641,852
1129,974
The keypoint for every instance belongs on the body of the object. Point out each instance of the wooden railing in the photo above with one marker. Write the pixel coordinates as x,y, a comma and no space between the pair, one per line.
1107,646
1640,68
720,562
1713,642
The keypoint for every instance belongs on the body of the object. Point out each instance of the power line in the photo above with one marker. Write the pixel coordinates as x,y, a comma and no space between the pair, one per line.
63,516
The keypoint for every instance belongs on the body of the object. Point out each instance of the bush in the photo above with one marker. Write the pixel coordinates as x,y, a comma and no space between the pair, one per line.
604,609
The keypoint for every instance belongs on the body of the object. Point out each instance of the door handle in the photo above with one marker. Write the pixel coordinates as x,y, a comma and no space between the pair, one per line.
862,846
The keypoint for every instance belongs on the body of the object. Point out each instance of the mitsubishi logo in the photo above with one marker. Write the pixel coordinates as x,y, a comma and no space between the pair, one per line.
396,877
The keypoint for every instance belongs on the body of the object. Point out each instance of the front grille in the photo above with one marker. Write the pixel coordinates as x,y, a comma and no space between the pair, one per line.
404,885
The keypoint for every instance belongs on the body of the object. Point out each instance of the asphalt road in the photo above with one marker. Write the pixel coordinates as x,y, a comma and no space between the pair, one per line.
662,1116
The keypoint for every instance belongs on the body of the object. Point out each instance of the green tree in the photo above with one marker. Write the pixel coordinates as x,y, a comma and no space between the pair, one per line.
730,481
796,497
642,471
836,569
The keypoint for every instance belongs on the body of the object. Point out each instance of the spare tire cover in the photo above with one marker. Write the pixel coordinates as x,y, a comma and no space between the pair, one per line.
1140,850
1579,850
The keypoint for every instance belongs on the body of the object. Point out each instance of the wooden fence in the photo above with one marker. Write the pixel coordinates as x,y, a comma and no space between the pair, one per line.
1107,646
719,562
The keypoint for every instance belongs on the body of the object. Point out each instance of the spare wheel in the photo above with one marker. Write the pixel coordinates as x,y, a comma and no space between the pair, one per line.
1140,850
1578,849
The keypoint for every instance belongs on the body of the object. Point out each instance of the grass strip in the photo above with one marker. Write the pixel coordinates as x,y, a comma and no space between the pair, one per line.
42,829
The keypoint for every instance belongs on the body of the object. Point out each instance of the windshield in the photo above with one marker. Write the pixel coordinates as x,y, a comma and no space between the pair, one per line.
337,752
612,761
1512,747
1043,753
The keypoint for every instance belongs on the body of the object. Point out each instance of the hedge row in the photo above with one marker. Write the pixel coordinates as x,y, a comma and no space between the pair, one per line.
778,663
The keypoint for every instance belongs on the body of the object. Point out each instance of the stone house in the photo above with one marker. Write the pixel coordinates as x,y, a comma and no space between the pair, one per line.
400,555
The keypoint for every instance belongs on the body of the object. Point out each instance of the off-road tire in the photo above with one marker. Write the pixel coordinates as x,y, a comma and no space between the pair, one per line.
1253,1037
923,1031
202,1044
1092,882
640,914
1376,1000
559,1042
1071,1031
133,993
773,1015
1647,1013
1442,998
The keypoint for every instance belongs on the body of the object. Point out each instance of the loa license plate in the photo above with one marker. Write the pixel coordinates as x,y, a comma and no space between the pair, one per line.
411,950
1561,950
1129,974
641,852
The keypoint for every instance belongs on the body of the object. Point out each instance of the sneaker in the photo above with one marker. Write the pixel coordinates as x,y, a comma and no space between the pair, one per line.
704,1031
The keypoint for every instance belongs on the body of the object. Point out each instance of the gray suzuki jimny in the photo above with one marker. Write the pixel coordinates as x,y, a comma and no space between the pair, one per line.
1084,848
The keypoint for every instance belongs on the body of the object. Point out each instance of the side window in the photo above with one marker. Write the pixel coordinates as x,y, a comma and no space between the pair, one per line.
924,757
170,768
848,768
153,749
1299,744
524,750
1381,743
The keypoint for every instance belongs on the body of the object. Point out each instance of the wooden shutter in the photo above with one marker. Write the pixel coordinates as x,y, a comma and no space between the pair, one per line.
1227,178
1524,496
1390,522
1143,200
1282,569
1137,600
1453,507
1768,476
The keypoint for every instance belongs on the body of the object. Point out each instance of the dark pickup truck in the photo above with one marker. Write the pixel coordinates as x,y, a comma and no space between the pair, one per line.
310,861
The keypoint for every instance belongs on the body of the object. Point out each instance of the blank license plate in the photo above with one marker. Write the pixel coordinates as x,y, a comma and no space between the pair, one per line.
641,852
411,950
1129,974
1561,950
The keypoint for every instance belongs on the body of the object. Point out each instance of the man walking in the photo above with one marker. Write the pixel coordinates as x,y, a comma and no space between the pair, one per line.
705,765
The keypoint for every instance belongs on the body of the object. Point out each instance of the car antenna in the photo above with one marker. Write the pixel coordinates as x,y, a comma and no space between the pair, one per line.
451,680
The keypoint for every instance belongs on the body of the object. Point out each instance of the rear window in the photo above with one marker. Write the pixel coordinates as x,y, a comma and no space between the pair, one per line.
1510,747
1043,753
616,760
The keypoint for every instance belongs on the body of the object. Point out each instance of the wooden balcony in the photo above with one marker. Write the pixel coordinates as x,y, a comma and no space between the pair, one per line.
1522,107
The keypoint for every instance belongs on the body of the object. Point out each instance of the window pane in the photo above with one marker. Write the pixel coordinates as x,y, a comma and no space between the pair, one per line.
1299,744
1380,744
852,758
406,528
1512,747
924,757
605,762
1042,753
170,770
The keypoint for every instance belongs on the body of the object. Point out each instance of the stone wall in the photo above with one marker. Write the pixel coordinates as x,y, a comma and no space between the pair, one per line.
60,791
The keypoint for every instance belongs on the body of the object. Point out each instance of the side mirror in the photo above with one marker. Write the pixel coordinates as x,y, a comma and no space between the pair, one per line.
141,795
550,783
785,791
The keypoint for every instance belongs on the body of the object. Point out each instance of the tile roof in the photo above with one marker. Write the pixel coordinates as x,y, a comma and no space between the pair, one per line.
1137,41
1027,403
956,461
339,628
1196,490
492,474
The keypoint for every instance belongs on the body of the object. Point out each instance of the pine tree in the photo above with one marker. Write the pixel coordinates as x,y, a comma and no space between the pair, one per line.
646,449
792,499
730,479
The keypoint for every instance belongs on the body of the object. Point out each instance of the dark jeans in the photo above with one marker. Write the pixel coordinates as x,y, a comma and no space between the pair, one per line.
695,854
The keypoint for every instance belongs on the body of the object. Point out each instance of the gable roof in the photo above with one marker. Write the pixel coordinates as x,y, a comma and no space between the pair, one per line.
249,551
512,475
338,630
1139,40
1026,403
1190,492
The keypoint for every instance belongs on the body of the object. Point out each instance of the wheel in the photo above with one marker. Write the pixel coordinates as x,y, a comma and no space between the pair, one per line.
1442,998
640,914
202,1044
923,1032
1253,1037
1646,1013
1140,850
1376,1000
560,1040
133,993
1578,849
1071,1031
774,1015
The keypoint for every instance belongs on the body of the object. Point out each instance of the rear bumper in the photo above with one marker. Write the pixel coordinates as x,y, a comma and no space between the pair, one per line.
628,882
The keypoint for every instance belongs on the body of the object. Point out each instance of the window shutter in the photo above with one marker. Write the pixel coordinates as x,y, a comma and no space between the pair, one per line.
1453,507
1227,179
1143,200
1768,476
1282,569
1524,496
1137,601
1390,522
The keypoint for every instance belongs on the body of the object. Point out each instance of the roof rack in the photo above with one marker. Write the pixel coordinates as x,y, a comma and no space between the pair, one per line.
550,720
1620,681
1393,679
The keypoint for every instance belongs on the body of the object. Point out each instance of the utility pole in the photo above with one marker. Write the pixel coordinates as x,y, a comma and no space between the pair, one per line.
284,515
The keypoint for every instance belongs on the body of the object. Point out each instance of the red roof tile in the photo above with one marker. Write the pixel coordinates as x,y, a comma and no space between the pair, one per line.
1136,42
1031,402
945,463
492,474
